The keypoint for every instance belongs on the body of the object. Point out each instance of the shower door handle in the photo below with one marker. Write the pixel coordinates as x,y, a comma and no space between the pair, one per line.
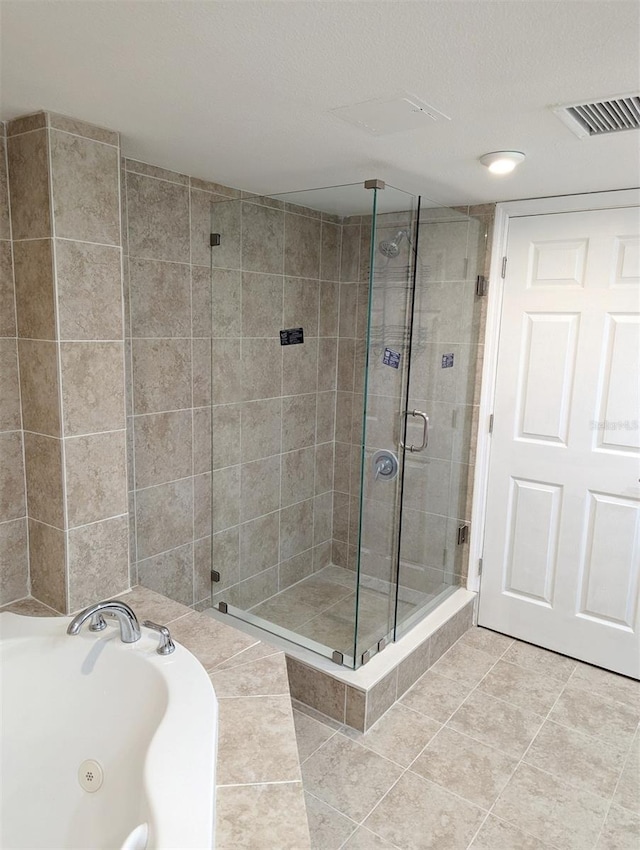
425,431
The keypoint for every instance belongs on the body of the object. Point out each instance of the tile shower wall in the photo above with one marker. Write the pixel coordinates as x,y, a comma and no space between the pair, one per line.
273,406
255,502
64,191
352,330
14,548
167,321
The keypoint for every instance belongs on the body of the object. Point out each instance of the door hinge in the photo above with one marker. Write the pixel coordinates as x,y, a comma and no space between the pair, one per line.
481,285
491,424
215,575
479,566
214,240
503,273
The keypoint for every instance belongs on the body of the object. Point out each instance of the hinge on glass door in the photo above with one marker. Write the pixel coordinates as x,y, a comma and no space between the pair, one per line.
491,424
481,285
479,566
222,607
214,240
463,534
503,273
215,575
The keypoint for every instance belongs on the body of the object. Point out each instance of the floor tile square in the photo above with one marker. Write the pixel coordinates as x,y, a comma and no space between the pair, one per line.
621,830
465,767
436,696
497,835
484,640
607,684
521,687
464,664
551,810
400,735
541,661
327,827
348,776
418,815
496,723
596,715
579,760
310,734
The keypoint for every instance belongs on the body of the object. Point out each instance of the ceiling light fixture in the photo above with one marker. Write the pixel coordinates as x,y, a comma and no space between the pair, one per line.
502,162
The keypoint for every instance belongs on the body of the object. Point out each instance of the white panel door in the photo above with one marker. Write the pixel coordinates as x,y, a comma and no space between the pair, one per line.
561,558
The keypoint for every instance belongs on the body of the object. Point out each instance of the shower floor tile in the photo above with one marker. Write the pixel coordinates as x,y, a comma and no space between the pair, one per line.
321,608
512,789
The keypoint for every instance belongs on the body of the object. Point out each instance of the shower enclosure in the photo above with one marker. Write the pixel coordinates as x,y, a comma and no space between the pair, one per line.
343,361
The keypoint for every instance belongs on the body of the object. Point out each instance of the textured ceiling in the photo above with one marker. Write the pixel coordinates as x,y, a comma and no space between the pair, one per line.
241,92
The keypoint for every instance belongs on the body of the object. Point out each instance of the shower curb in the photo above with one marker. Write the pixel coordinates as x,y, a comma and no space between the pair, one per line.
361,707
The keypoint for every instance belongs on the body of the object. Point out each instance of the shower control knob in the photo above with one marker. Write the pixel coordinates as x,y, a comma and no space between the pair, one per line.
385,465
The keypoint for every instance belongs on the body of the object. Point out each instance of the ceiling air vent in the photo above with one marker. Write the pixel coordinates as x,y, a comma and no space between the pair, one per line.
601,116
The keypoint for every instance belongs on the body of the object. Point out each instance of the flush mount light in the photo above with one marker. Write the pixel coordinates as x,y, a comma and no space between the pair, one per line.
502,162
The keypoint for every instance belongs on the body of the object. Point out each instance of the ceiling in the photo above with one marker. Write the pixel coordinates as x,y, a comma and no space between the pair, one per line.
241,92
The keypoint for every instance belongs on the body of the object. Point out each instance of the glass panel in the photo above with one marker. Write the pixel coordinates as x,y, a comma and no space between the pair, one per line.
390,272
444,347
284,498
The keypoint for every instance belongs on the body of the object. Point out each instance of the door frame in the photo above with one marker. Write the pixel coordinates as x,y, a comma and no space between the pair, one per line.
504,213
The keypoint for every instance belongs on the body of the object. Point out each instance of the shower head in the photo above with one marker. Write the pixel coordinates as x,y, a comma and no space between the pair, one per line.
392,248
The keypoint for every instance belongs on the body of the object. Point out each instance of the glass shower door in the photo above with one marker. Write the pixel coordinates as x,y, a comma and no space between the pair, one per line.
386,354
435,514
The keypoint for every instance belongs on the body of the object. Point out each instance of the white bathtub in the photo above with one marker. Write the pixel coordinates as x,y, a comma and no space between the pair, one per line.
149,721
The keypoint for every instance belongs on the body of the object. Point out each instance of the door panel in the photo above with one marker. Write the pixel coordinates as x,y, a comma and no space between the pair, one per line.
609,588
532,547
562,539
548,363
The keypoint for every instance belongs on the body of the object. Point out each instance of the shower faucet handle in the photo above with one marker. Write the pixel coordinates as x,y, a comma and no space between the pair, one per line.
385,464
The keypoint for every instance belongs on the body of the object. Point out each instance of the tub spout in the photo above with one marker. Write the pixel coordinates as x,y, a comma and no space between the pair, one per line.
129,626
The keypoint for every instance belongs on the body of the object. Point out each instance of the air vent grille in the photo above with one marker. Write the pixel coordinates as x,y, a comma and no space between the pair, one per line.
602,116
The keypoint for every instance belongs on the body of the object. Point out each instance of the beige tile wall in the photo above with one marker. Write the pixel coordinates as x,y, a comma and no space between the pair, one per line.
286,262
14,549
64,190
256,503
276,497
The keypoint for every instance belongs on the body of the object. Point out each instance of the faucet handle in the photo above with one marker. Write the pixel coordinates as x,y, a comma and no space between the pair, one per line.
97,623
166,646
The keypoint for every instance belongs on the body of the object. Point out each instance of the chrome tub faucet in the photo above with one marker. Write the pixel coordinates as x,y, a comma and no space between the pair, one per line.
129,626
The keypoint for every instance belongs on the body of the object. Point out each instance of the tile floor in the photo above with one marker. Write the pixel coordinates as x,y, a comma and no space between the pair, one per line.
322,607
499,746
